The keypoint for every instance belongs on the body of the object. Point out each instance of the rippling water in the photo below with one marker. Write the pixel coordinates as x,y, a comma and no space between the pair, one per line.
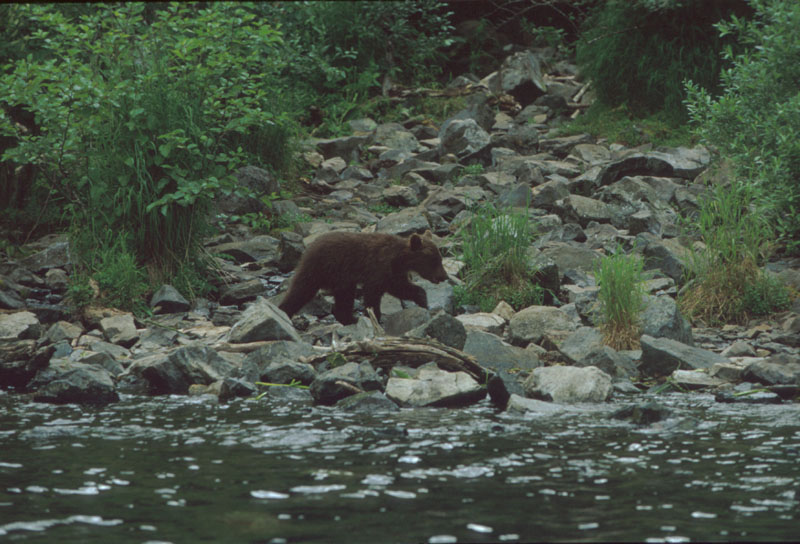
181,469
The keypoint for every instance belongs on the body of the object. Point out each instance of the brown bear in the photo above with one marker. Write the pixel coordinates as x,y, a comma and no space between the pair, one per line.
339,261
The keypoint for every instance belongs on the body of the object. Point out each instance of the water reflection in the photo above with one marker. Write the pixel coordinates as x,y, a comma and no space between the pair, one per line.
177,469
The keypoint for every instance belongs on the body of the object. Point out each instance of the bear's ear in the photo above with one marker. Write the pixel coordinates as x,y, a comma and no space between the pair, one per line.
428,234
415,242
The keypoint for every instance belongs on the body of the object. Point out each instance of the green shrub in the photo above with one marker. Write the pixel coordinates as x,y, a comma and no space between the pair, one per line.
145,113
494,251
756,120
639,52
621,298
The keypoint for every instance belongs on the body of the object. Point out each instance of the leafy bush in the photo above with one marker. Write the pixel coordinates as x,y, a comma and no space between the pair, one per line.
639,52
145,113
725,277
756,121
494,251
621,298
338,54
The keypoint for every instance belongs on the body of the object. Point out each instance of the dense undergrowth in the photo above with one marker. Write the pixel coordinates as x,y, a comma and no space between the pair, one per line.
122,124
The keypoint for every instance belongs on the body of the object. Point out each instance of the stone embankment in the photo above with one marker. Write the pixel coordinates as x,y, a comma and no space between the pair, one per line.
586,198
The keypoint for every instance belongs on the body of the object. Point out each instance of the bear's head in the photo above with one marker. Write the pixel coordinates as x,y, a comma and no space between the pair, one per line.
423,257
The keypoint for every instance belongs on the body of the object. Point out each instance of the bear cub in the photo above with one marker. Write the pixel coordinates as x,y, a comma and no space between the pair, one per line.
339,261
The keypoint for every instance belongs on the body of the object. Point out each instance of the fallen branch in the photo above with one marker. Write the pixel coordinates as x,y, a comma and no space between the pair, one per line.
413,352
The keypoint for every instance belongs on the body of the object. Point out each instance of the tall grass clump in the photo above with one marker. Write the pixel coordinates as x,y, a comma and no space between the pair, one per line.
726,282
639,52
756,120
621,298
494,251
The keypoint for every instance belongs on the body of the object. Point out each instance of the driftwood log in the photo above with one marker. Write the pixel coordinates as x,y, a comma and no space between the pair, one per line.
386,352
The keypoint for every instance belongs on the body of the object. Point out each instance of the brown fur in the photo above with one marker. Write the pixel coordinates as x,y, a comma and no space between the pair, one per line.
339,261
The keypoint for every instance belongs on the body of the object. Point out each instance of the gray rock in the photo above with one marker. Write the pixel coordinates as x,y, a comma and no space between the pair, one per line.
462,137
285,371
547,194
347,147
432,386
675,163
739,349
563,146
230,388
591,154
63,330
492,353
520,75
56,255
175,372
255,249
666,255
404,222
262,321
10,299
583,210
571,257
663,356
167,300
77,383
369,402
20,360
781,368
253,182
443,327
487,322
331,386
19,326
568,384
518,196
256,362
120,329
400,195
532,323
395,136
644,413
95,358
241,292
290,249
524,139
520,405
585,348
694,379
662,319
401,322
56,280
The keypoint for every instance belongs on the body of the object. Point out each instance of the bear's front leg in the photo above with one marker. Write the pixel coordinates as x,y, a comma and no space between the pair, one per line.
408,291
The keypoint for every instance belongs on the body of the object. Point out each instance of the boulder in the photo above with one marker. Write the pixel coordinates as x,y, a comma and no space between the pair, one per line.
532,323
68,382
262,320
585,348
462,137
369,402
175,372
491,352
167,300
568,384
431,386
663,356
779,369
19,326
662,319
331,386
120,329
443,327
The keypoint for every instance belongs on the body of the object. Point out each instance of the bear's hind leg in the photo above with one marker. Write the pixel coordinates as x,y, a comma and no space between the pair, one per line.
343,305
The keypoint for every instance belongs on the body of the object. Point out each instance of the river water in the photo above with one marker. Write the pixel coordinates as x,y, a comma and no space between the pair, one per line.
185,469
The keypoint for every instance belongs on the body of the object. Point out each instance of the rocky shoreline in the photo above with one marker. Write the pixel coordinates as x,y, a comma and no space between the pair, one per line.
586,197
